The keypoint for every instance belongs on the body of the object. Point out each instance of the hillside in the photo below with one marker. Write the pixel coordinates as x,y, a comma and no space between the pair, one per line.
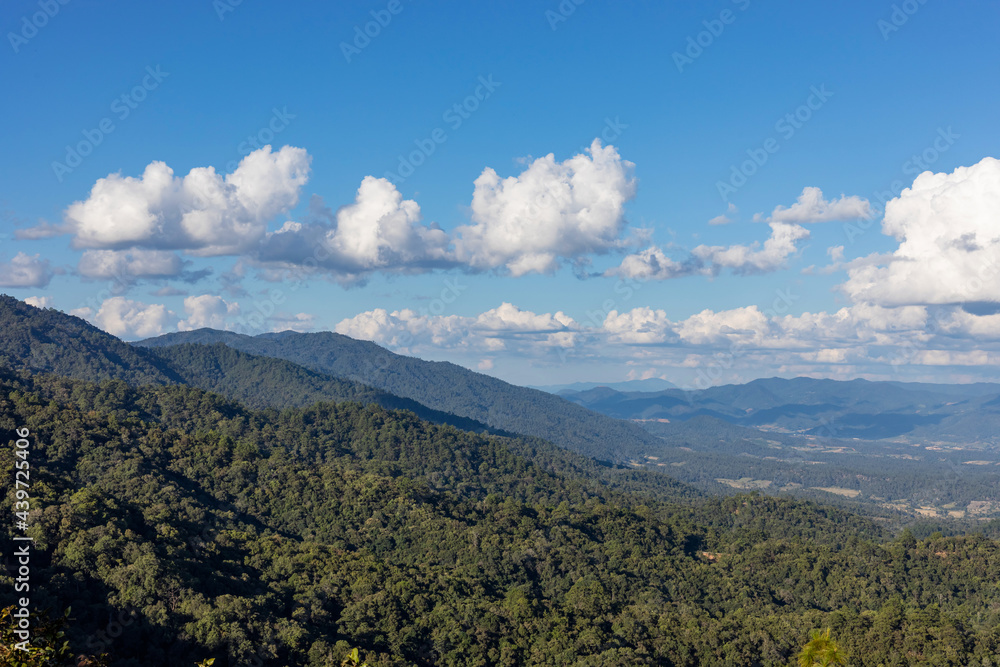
442,386
262,382
285,538
48,341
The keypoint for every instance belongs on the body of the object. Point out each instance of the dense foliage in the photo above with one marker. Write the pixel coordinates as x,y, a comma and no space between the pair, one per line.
203,505
286,537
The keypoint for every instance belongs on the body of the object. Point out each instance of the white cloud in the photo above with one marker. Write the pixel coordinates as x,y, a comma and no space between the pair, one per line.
25,271
130,319
638,326
750,259
379,231
207,311
203,212
948,228
811,207
43,230
653,264
725,218
39,301
552,211
744,325
127,265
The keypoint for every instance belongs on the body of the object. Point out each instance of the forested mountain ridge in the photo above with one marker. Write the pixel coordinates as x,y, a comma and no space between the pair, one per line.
261,382
48,341
442,386
286,537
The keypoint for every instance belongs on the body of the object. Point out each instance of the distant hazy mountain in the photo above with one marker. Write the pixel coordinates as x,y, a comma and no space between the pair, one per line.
652,384
851,409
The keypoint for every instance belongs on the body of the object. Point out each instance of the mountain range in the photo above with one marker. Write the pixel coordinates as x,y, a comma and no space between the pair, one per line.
196,502
831,408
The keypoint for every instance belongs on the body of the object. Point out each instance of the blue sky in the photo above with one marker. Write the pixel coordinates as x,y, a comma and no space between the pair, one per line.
518,278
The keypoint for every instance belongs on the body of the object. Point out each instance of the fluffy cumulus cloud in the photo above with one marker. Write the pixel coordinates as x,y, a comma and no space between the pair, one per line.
948,229
639,326
208,311
654,264
378,231
203,212
131,319
812,207
550,212
25,271
141,227
744,325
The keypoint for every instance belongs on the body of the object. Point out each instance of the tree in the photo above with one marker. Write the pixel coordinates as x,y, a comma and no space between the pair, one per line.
821,650
353,658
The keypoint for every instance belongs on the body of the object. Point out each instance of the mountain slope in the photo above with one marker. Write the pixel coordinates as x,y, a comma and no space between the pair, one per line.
442,386
261,382
48,341
286,538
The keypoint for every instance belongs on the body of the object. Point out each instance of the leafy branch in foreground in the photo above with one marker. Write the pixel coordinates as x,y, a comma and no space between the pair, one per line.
822,651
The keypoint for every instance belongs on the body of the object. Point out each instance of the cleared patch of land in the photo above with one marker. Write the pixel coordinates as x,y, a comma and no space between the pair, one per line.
840,491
